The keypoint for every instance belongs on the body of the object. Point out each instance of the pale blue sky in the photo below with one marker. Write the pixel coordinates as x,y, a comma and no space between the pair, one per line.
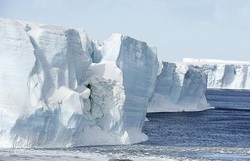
179,28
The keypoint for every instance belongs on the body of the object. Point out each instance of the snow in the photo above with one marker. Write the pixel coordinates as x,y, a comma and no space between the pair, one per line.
224,74
179,87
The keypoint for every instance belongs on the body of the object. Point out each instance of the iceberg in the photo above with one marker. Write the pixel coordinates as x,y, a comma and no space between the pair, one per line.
53,95
139,64
179,87
61,89
224,74
66,92
17,60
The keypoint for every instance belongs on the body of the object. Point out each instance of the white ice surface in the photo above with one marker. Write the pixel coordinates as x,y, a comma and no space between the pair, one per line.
17,60
139,65
59,88
179,88
61,99
224,74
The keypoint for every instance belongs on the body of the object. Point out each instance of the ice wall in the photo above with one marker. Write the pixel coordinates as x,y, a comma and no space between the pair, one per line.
139,65
179,87
224,74
61,89
51,94
16,61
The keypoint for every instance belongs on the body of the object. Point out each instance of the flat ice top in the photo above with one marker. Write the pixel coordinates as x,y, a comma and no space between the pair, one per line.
213,61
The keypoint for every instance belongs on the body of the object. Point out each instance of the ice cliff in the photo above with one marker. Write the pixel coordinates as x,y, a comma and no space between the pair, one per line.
61,89
52,95
224,74
179,87
139,65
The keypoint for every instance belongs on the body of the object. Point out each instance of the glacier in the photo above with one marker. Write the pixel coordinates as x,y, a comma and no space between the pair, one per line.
180,87
61,89
223,74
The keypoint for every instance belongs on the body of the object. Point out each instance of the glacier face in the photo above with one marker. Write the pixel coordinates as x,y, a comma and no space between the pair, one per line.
179,87
224,74
62,98
17,60
139,65
61,89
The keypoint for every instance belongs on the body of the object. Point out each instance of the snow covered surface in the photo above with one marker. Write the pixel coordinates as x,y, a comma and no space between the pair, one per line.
224,74
179,87
61,89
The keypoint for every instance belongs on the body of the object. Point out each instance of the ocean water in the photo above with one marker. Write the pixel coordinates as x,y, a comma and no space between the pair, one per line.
222,133
228,125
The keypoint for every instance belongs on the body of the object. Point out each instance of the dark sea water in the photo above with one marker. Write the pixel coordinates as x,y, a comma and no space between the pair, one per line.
228,125
222,133
225,127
